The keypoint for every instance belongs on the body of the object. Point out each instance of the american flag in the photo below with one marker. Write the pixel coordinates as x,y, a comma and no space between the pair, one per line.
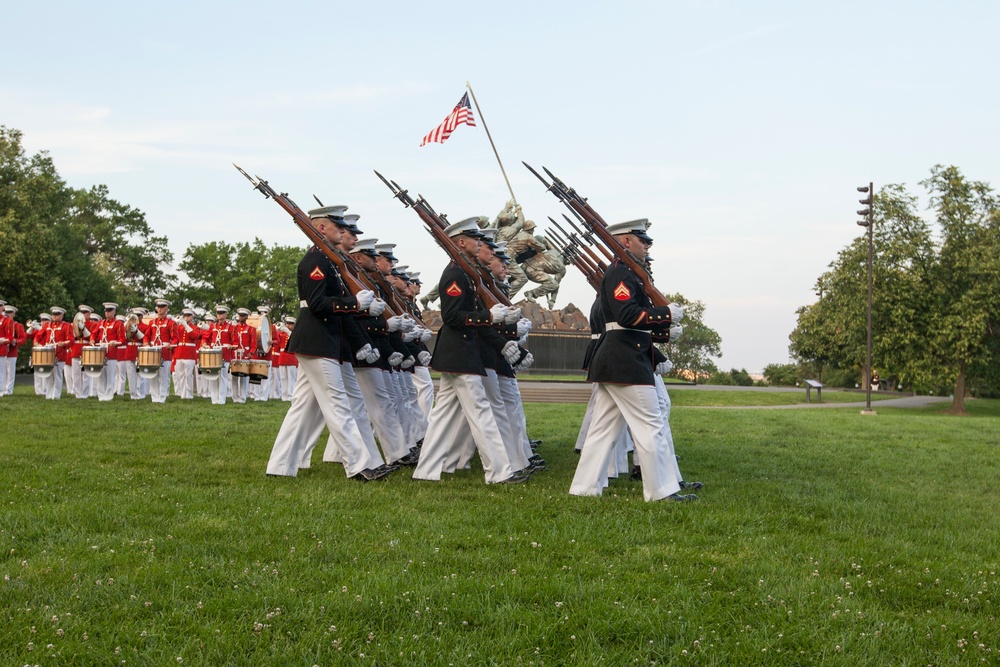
461,114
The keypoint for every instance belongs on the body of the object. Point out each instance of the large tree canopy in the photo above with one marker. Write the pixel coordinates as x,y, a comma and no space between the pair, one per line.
692,354
936,292
64,246
241,274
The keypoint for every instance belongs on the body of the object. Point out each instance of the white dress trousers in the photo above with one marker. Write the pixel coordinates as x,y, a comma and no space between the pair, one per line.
319,396
616,406
382,411
462,399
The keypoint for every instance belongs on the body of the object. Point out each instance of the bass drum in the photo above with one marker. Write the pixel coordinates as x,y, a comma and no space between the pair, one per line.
262,324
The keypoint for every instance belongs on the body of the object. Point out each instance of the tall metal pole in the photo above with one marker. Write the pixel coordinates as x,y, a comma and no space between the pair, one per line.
490,137
871,225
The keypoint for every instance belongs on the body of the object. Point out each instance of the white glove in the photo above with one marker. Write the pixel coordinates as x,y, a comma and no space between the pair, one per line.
377,308
676,331
395,359
140,335
408,323
529,359
410,336
365,298
373,356
424,358
409,361
523,327
511,352
663,367
363,353
499,313
676,313
188,327
425,335
523,340
394,323
513,315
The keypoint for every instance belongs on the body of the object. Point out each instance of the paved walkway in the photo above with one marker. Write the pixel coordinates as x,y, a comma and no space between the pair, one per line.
536,391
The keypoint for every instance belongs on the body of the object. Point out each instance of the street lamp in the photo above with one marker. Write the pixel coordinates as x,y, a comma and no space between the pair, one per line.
868,215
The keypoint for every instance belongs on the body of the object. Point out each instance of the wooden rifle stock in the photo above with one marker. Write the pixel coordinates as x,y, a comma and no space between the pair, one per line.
596,223
434,225
351,281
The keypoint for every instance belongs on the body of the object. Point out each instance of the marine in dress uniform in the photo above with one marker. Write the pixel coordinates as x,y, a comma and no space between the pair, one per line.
220,335
353,354
325,319
185,341
201,380
160,332
77,382
375,379
6,339
287,363
461,397
35,334
245,341
622,367
138,386
60,335
109,334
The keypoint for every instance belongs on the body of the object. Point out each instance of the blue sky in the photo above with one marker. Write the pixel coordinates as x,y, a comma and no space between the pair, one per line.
740,129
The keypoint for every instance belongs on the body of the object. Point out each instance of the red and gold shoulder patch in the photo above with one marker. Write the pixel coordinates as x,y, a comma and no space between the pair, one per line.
453,289
317,274
622,292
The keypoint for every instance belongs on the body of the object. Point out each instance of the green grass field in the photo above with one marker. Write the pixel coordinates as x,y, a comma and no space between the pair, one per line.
139,534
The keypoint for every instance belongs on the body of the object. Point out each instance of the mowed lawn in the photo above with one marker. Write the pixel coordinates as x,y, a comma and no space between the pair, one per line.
138,534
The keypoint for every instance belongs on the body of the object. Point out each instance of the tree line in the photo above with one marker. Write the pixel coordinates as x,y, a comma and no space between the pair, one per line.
67,246
936,295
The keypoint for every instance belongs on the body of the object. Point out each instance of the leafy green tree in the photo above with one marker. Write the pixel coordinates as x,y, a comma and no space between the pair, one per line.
934,295
782,375
62,246
964,282
241,274
692,354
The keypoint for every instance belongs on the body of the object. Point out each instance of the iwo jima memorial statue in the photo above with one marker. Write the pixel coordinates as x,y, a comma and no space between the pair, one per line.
563,334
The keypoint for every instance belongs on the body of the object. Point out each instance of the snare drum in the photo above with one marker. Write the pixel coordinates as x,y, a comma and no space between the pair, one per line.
259,370
43,360
148,361
239,367
210,361
92,359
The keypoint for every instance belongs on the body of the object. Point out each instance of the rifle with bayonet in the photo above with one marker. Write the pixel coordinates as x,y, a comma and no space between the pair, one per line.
488,292
351,281
578,243
571,255
595,224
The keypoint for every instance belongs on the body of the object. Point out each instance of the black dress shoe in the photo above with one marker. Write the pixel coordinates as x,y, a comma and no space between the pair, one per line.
636,473
678,498
691,486
409,460
514,479
369,475
534,442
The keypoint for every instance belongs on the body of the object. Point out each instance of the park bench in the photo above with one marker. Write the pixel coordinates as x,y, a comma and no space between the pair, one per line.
818,386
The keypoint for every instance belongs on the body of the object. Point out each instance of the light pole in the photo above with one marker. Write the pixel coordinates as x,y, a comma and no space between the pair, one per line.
869,221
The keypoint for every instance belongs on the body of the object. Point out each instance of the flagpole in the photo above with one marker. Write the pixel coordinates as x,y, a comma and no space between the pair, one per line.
483,118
